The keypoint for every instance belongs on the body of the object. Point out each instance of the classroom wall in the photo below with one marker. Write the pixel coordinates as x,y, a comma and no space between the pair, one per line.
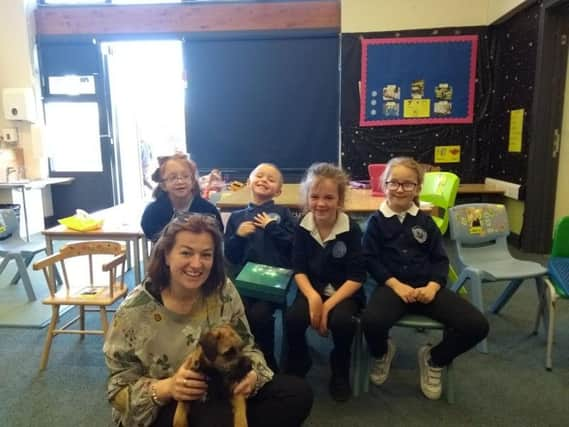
498,8
18,69
359,16
387,15
561,198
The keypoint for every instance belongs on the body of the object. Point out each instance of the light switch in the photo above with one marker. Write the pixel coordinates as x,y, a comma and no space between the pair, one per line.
10,135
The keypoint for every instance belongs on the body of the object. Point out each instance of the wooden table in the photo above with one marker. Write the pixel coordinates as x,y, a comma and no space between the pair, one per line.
121,222
358,201
479,189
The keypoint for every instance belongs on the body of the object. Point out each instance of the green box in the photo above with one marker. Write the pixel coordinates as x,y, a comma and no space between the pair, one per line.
264,282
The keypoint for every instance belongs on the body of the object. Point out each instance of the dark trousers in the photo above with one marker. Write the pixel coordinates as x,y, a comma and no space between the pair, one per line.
465,325
340,323
261,317
285,401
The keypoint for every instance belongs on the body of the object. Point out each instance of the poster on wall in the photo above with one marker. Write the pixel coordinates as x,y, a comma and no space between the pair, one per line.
418,80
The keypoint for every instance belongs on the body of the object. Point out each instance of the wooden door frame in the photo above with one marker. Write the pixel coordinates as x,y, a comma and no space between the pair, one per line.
546,116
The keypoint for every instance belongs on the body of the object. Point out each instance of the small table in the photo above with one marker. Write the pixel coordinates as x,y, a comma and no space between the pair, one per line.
121,223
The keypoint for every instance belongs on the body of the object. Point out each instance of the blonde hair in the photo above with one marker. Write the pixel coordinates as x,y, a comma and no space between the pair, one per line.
317,173
407,162
272,165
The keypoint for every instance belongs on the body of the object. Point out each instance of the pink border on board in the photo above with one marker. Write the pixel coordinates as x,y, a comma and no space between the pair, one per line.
409,40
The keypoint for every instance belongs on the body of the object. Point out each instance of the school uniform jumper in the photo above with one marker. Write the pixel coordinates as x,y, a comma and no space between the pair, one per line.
328,264
270,246
160,212
409,247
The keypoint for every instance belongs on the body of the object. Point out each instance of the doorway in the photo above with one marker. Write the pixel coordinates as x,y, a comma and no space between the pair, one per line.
147,95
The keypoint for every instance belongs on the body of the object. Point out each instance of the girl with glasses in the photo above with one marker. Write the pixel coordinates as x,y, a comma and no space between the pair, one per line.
177,192
404,254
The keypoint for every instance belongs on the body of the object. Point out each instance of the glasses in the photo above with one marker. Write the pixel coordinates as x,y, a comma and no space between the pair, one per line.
406,186
174,178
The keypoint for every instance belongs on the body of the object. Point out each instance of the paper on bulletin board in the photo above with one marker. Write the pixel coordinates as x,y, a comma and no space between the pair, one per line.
416,108
516,128
447,154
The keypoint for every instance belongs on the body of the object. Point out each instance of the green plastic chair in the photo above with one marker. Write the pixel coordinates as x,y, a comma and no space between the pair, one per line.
440,189
557,288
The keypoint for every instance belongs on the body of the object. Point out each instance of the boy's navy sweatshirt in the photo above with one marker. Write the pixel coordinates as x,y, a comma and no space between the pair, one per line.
270,246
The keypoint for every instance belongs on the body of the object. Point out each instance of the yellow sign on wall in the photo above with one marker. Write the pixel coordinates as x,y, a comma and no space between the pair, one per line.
416,108
447,154
516,129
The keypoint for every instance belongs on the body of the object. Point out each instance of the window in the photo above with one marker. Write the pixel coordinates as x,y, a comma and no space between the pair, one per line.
73,138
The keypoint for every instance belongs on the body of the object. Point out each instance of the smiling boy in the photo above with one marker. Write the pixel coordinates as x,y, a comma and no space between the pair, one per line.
261,233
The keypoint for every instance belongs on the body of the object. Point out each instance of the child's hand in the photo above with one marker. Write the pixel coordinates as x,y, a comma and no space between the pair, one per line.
245,228
323,328
315,307
405,292
262,220
426,294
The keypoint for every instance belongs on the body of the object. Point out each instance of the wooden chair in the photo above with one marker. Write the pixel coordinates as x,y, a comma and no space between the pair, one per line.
83,293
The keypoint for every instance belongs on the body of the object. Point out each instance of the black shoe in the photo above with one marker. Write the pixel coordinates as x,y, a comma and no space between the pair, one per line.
340,389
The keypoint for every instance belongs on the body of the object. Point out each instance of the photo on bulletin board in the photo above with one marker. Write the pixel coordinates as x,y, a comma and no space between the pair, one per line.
418,80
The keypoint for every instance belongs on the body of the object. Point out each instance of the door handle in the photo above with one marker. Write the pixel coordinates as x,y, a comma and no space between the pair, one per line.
556,143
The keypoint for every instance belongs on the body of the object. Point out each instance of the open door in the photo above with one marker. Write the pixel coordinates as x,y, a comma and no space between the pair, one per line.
78,129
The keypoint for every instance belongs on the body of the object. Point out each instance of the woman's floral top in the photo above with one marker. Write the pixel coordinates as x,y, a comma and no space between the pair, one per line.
147,341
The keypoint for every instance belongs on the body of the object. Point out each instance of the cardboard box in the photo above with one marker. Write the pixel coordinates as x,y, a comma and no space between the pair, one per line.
264,282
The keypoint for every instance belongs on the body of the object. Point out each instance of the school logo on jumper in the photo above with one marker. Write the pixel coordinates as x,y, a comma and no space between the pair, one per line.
419,234
339,250
275,216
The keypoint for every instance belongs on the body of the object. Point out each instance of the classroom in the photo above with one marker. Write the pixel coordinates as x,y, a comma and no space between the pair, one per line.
96,96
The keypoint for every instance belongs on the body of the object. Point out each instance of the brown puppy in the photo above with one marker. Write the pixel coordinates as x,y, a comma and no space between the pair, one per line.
219,357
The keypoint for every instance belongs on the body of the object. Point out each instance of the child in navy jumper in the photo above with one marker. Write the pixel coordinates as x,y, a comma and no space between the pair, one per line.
329,271
177,192
404,253
261,233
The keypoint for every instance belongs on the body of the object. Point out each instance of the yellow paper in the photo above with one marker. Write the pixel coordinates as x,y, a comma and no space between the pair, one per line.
447,154
516,129
416,108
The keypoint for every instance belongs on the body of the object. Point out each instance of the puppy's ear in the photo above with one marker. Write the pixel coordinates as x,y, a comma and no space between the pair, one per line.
208,342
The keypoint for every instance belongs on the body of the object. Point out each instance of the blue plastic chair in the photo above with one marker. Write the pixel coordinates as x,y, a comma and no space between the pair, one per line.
480,233
13,247
557,285
361,360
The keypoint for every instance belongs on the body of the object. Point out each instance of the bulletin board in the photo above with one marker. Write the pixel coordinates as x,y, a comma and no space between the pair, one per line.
418,80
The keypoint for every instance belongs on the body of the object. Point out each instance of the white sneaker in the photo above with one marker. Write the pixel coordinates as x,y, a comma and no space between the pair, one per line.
431,378
380,369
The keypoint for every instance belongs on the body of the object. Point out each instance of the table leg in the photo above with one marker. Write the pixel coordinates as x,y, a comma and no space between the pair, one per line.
136,262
